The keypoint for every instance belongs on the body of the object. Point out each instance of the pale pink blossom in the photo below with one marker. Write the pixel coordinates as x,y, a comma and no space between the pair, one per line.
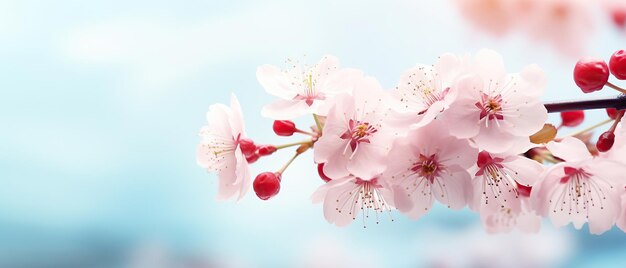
219,150
494,16
427,165
356,137
345,198
495,109
581,190
565,24
425,91
305,90
495,183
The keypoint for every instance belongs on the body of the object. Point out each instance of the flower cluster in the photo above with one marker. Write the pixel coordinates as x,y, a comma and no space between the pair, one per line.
462,132
565,24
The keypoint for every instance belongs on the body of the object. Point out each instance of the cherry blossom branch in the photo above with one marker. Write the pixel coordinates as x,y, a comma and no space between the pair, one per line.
617,102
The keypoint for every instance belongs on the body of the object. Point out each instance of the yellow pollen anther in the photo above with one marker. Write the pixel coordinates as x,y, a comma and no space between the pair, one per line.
429,169
361,130
494,106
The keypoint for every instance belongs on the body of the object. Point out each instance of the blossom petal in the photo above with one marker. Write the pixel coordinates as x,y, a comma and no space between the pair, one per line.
569,149
450,189
489,65
275,82
494,140
336,200
621,221
285,109
401,199
236,118
243,174
368,162
527,171
534,79
526,119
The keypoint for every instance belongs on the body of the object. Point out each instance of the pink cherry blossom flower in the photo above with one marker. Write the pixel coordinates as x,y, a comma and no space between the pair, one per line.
425,91
304,90
219,149
495,109
581,190
426,165
345,198
495,183
356,137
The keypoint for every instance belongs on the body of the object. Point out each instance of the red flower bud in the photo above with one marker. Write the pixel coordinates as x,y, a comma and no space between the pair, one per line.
617,64
605,141
252,158
612,112
247,146
266,185
265,150
591,74
284,127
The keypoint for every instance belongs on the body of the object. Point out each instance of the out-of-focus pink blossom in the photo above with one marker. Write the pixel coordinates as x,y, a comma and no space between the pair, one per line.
495,109
495,16
219,149
565,24
583,189
304,90
429,165
617,11
344,199
356,137
505,220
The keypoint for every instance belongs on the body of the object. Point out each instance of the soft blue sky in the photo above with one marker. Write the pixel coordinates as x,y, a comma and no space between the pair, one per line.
102,100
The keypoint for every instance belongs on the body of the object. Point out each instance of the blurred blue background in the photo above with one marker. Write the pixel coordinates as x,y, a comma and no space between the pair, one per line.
102,101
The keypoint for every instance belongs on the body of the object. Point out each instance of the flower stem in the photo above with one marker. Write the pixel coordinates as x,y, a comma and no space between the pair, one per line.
318,123
281,170
613,86
305,132
590,128
617,102
287,145
618,118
